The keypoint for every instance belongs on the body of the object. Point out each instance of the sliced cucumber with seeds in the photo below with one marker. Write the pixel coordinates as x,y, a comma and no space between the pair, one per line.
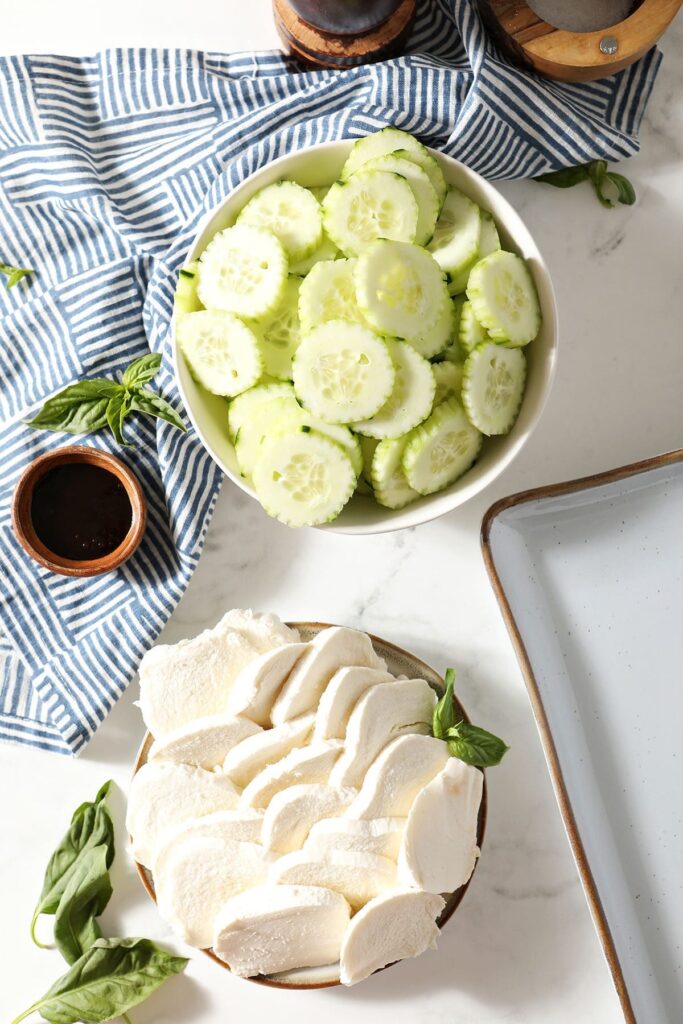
372,204
411,399
367,447
280,335
504,299
298,419
455,245
343,372
488,235
399,288
453,351
327,250
448,377
493,387
470,331
432,342
258,427
329,293
387,140
303,478
291,213
186,299
423,190
440,450
241,407
221,351
243,270
388,479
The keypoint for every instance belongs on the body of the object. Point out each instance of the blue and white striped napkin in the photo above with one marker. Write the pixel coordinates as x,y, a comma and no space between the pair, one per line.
106,165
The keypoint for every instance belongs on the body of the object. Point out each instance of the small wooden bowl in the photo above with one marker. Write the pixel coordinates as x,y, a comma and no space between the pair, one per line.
22,522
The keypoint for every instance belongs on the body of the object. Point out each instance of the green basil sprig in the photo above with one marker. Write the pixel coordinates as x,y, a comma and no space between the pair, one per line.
98,402
83,900
467,742
608,185
14,274
110,978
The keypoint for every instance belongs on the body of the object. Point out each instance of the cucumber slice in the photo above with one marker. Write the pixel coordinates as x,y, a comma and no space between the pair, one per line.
488,235
241,407
453,351
329,293
388,479
504,299
441,449
327,250
221,351
303,479
280,335
432,342
186,299
399,288
493,387
448,377
260,425
372,204
455,245
343,372
293,420
423,190
367,447
243,271
291,213
387,140
470,331
411,399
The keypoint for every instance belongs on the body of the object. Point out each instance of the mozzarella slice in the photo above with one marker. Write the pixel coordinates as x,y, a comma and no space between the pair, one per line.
275,928
204,742
254,754
293,811
303,765
198,876
395,778
391,927
439,848
381,836
357,876
330,650
242,826
259,682
381,715
341,694
163,794
263,629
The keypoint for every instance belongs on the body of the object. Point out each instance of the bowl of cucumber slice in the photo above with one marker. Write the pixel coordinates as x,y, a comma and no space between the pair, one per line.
364,334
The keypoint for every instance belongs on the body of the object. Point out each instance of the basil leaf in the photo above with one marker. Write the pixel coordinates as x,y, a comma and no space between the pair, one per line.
626,194
91,825
79,408
144,400
118,408
102,794
599,176
596,172
14,274
141,370
566,178
475,746
444,712
110,978
86,895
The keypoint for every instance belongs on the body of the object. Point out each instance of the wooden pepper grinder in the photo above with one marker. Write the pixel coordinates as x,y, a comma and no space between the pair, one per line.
343,33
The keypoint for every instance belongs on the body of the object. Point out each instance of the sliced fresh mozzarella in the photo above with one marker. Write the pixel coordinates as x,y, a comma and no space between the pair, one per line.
343,691
395,778
381,836
204,742
259,682
199,875
390,927
254,754
293,811
241,826
163,794
273,928
263,629
330,650
439,848
381,715
302,765
357,876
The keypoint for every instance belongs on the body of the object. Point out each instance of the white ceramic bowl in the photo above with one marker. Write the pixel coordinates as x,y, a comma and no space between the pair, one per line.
320,165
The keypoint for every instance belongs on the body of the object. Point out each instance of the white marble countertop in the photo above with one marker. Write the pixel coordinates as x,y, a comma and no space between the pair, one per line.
521,950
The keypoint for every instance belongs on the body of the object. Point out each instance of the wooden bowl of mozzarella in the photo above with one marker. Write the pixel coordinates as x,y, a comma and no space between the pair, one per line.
403,665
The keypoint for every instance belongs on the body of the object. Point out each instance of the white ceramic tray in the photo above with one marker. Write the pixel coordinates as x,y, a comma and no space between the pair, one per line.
589,576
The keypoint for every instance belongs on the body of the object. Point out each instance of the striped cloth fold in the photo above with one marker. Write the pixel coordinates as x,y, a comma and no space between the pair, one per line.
107,164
